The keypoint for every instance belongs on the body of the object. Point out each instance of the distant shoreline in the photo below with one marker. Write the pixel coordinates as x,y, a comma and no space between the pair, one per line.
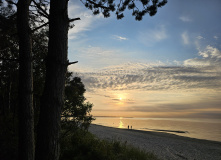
165,145
112,117
161,130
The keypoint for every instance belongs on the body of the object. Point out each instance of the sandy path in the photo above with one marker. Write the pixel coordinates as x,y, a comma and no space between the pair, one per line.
166,146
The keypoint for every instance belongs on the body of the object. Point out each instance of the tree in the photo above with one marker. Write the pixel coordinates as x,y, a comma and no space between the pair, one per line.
8,60
76,112
26,112
24,32
52,99
75,104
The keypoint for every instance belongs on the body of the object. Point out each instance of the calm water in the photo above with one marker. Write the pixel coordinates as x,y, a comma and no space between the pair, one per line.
209,129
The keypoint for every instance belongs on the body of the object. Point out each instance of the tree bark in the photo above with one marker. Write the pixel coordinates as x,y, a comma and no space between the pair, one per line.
52,100
26,113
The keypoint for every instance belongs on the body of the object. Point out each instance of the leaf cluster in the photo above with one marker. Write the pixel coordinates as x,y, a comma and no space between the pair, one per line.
76,111
139,7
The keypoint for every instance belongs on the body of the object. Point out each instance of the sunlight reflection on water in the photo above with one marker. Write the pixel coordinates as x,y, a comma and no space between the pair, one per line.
121,124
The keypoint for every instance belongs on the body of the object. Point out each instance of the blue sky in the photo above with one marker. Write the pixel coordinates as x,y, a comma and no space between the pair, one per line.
168,65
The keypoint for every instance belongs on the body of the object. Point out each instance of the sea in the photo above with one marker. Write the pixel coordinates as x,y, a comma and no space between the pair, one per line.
208,129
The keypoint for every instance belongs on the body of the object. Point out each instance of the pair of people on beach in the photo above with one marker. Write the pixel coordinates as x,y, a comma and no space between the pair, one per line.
129,127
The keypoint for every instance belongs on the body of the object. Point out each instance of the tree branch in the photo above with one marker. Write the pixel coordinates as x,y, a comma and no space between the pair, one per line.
69,63
39,27
41,9
11,2
101,6
74,19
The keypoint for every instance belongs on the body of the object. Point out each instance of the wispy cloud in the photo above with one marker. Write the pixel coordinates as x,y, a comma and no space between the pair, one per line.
185,38
120,38
216,37
199,37
99,57
85,24
185,19
151,36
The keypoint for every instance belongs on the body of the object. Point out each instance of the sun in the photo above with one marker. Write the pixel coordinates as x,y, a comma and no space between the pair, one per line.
120,98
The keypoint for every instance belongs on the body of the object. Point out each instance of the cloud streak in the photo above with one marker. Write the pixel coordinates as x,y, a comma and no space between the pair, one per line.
185,19
85,24
120,38
151,36
185,38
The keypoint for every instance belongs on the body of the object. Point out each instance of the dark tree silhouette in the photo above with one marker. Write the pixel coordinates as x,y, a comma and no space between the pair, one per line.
107,6
76,112
23,30
26,112
47,147
8,60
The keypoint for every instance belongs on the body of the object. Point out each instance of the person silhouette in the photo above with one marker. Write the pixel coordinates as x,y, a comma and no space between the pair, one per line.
131,127
128,127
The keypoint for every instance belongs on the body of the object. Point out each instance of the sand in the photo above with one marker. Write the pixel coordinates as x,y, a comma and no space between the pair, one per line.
164,145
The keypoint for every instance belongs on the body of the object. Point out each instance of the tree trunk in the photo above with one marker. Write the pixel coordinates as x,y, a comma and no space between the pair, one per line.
52,99
26,118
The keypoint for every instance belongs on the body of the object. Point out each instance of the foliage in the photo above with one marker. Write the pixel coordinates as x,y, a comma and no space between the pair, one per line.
139,7
82,145
75,102
76,112
8,60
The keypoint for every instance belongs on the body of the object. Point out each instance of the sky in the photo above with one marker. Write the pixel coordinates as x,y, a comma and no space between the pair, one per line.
165,66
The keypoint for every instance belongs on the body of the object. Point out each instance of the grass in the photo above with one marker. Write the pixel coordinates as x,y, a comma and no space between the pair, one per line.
79,145
85,146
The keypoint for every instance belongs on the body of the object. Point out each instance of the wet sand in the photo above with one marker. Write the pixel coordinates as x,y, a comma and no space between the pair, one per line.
166,146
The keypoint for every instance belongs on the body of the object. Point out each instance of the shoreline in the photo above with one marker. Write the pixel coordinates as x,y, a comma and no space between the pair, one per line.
164,145
168,133
165,133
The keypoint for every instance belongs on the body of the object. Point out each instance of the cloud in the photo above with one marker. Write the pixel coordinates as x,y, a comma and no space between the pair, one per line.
155,78
197,62
185,19
216,37
99,57
191,87
199,37
151,36
211,52
211,57
119,38
87,22
185,38
203,72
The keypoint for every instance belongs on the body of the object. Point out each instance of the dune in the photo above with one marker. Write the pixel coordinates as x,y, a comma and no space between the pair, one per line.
165,145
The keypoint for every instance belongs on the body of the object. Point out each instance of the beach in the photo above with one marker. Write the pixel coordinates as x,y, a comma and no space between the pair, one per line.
166,146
